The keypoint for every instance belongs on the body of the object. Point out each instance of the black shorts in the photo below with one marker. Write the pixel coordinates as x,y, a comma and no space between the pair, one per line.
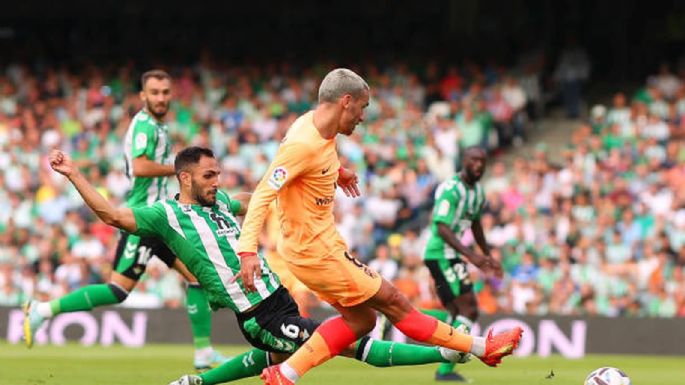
276,324
133,252
451,278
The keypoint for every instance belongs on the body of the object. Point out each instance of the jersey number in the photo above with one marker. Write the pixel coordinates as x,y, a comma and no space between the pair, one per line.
457,272
360,265
144,254
354,260
293,332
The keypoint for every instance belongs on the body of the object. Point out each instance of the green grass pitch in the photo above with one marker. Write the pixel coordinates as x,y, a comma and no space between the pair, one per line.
160,364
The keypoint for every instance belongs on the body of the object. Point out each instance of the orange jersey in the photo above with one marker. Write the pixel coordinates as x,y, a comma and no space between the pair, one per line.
302,178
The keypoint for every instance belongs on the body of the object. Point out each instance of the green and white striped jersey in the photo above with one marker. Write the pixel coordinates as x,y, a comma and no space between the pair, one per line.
205,239
456,205
146,136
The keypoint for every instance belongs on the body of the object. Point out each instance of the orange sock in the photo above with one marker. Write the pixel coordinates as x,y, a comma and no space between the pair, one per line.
447,336
429,330
329,339
314,352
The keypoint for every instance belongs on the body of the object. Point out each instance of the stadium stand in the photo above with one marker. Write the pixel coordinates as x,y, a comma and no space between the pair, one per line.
604,230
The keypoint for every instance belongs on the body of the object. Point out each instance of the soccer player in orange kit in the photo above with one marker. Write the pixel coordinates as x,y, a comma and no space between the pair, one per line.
302,178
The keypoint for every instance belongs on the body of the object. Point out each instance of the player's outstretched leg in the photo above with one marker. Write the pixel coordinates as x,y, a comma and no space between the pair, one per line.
446,371
373,352
381,353
248,364
489,350
422,328
82,299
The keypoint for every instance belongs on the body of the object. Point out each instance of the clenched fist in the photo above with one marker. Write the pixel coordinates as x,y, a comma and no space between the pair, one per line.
61,162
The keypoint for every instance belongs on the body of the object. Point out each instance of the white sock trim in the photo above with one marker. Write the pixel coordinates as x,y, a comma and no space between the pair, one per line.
289,372
478,346
367,349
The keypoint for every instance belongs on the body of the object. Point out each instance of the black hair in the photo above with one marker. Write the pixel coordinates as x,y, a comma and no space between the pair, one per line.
190,156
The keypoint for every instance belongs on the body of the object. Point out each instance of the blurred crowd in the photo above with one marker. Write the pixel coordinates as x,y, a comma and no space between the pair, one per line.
51,244
601,233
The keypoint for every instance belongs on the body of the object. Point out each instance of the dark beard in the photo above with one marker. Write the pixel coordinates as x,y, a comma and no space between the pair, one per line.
154,114
471,178
197,195
205,203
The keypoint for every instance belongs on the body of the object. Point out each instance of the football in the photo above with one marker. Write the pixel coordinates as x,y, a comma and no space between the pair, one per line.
607,376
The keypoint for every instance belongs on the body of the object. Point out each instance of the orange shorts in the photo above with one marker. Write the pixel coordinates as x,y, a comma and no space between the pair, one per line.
338,278
288,279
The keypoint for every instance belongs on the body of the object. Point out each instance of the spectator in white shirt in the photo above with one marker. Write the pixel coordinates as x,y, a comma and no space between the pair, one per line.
383,264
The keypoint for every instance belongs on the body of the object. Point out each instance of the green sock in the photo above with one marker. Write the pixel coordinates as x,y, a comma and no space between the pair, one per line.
441,315
247,364
200,316
387,353
448,367
84,298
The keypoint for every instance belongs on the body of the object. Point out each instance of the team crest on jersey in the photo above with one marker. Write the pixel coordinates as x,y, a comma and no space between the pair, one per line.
278,178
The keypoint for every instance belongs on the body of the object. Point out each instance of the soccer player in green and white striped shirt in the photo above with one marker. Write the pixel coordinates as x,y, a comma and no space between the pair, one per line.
459,202
200,227
147,154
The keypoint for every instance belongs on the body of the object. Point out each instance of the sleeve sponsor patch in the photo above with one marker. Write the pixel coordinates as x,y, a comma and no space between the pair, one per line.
444,208
278,178
141,141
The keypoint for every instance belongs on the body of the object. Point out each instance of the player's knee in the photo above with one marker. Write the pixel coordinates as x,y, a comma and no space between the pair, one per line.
365,326
472,314
453,309
119,292
469,309
362,323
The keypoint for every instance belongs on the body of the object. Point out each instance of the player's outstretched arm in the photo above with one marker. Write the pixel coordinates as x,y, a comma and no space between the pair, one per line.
122,218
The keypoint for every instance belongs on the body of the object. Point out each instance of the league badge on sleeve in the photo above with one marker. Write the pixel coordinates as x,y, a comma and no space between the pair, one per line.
141,141
278,178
